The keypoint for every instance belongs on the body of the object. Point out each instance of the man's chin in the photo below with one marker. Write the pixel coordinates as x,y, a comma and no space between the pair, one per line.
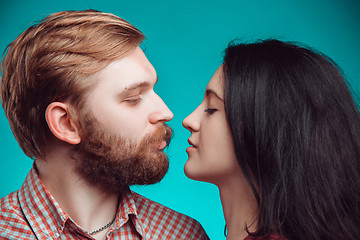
117,176
152,174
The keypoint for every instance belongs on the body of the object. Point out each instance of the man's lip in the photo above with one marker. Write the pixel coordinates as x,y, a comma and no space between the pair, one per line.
162,145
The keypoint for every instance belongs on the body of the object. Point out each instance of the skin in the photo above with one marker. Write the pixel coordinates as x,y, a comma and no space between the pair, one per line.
123,100
129,107
212,159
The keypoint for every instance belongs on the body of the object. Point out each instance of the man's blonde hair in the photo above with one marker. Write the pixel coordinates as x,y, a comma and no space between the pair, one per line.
52,61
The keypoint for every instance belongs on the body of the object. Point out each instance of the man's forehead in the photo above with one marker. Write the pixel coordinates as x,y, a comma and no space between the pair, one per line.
135,58
129,72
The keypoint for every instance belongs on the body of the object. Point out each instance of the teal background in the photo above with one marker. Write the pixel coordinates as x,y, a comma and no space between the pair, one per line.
185,43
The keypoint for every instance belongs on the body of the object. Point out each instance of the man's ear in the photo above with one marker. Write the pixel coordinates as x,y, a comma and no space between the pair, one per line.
60,123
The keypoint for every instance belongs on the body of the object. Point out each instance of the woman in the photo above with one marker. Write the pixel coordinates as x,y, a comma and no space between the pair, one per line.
279,134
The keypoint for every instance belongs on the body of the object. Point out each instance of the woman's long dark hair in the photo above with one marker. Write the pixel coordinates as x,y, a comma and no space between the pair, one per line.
296,132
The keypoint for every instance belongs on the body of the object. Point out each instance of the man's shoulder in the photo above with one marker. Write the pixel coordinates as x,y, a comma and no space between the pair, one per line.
13,224
166,223
9,203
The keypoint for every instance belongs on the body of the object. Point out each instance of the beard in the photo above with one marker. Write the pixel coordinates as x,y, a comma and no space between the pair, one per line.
113,163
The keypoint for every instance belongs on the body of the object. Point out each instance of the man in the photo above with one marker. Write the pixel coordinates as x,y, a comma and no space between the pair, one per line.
78,93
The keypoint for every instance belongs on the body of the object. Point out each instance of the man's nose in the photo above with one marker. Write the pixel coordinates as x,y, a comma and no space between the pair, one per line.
161,112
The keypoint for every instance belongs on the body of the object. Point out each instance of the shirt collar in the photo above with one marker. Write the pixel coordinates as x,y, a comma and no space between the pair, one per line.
48,219
126,210
126,207
42,211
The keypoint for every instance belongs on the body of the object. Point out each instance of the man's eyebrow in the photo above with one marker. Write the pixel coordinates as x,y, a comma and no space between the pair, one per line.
138,85
135,86
209,92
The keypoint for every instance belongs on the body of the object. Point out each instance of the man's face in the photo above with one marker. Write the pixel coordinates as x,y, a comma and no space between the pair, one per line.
122,129
124,100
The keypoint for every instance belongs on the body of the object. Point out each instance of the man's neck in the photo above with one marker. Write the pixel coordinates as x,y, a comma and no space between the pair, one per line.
239,206
87,205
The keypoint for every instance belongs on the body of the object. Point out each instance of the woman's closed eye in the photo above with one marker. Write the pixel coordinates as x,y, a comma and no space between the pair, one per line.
210,110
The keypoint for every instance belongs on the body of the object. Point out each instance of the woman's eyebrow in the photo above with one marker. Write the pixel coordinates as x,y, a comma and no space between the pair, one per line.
209,92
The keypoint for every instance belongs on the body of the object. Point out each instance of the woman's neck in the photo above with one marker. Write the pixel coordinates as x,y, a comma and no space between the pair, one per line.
239,206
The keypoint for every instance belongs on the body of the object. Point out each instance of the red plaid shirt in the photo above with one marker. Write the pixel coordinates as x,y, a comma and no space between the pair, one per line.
33,213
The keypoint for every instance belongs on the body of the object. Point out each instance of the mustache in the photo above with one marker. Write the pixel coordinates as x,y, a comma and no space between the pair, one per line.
163,133
169,134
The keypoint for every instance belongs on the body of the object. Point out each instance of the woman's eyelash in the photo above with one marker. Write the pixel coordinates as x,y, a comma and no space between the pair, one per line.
210,110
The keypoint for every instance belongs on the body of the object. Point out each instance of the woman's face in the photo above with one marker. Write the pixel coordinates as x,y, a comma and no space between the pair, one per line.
211,152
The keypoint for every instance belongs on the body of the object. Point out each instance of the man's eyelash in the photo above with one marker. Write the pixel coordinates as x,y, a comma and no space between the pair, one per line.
133,100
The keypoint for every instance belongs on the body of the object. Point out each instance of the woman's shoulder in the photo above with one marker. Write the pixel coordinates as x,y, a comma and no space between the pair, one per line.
270,237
